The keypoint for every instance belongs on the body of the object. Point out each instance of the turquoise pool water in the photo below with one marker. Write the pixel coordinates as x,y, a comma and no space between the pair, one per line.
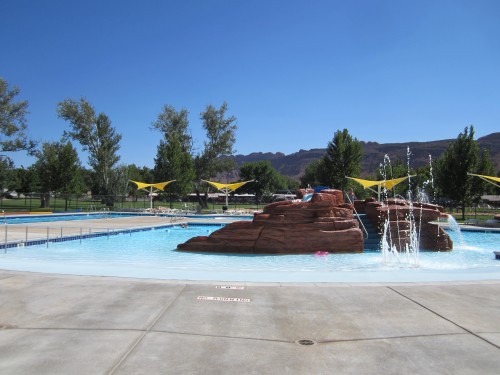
59,217
152,254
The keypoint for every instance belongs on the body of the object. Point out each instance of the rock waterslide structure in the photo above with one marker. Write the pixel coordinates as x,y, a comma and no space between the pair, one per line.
325,224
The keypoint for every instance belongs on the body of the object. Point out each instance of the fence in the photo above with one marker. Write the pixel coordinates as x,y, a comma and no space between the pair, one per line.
69,202
31,202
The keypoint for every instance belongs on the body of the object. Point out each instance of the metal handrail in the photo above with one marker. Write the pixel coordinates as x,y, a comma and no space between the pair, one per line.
53,233
356,212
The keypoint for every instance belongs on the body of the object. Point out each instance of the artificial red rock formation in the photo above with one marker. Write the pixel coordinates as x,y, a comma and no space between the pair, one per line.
325,223
400,214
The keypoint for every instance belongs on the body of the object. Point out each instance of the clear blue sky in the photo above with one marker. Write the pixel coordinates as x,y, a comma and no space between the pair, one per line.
292,72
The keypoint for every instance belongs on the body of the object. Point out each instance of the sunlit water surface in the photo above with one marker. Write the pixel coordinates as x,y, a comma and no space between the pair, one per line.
152,254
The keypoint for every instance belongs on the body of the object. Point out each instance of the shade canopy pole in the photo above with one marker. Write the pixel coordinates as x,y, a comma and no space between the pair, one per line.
227,188
158,186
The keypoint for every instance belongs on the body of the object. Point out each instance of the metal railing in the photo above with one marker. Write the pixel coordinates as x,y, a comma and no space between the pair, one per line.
19,235
356,212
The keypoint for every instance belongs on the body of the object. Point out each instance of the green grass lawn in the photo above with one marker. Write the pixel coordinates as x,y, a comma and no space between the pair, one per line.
87,205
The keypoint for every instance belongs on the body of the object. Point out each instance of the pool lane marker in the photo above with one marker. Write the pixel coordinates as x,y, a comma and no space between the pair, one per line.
223,299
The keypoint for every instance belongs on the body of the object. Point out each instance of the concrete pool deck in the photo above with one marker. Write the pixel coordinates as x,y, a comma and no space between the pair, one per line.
65,324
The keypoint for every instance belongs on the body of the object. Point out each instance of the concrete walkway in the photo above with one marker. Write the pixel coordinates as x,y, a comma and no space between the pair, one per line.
55,324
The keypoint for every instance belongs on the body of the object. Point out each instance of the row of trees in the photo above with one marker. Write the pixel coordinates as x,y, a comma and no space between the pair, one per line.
58,168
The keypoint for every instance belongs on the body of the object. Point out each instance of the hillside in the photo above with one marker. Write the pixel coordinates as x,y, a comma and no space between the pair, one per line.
293,165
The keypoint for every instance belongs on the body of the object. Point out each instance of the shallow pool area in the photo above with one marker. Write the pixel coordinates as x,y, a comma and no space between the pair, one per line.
152,254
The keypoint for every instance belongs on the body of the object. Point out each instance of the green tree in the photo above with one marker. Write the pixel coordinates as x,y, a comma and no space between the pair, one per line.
7,175
216,157
314,174
290,183
172,163
28,182
23,180
57,168
173,158
266,179
480,187
13,123
96,135
174,125
119,182
343,158
451,169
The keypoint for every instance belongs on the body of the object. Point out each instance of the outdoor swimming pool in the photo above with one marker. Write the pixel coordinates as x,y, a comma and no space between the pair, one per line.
152,254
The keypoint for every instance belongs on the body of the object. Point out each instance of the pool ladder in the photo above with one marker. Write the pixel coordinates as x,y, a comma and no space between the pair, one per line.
105,212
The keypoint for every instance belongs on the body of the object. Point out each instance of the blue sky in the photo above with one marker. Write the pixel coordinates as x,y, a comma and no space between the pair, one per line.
292,72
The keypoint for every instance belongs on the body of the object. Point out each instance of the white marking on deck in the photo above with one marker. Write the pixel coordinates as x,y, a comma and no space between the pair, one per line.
229,287
223,299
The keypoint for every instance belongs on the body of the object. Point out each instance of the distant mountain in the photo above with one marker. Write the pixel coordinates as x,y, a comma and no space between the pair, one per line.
293,165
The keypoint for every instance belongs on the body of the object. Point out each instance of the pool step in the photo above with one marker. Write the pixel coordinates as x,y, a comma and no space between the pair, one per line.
374,238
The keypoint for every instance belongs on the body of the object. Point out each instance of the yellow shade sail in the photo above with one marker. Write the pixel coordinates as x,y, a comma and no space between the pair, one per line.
490,179
388,184
158,185
227,187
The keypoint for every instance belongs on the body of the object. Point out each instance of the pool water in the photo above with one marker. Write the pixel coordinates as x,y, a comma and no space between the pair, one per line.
62,217
152,254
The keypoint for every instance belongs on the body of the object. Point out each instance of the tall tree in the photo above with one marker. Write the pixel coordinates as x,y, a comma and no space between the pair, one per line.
173,158
57,168
216,156
96,135
174,125
172,163
119,182
451,170
13,123
343,158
